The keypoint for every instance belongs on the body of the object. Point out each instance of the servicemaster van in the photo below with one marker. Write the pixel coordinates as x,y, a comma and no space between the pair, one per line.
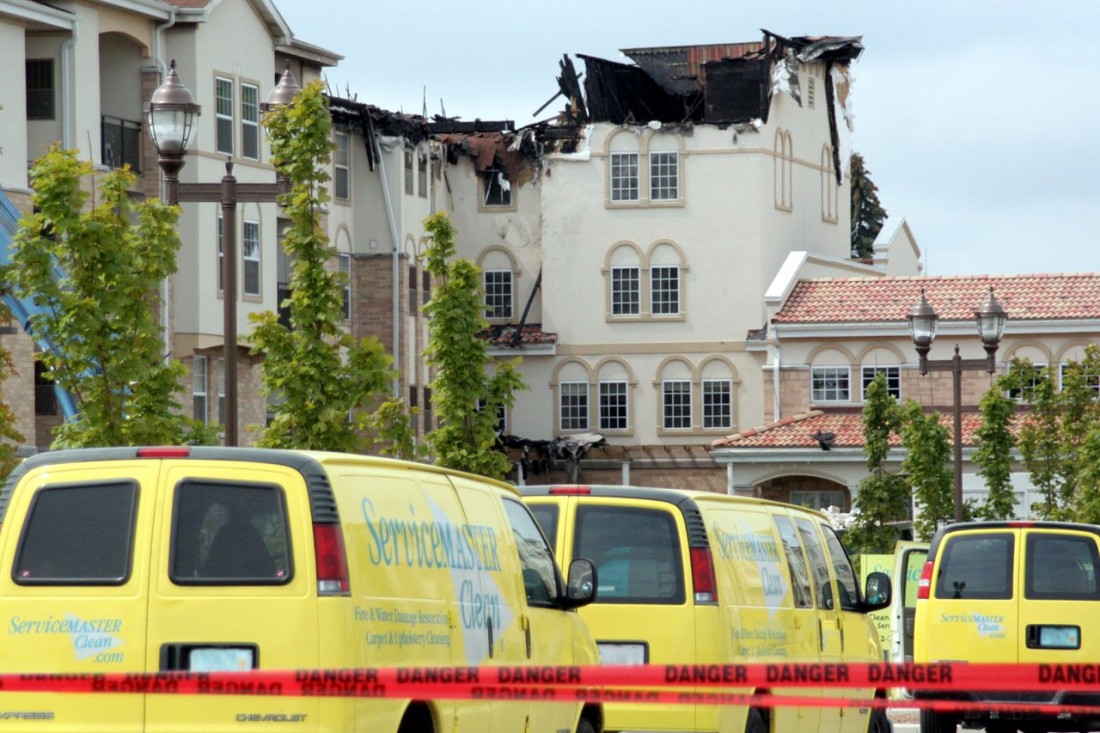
138,560
1010,593
691,577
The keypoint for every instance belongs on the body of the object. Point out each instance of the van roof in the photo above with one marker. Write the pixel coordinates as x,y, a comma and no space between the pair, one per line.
299,460
653,493
1009,524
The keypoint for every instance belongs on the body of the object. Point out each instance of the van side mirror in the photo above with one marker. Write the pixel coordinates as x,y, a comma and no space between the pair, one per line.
877,591
580,589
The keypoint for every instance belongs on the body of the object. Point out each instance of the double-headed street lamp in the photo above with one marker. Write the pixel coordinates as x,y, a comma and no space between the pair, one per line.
171,111
991,319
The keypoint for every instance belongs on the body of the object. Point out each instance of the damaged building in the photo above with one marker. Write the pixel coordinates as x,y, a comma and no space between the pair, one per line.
626,243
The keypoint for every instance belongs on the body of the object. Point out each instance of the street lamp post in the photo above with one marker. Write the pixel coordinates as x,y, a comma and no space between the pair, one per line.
171,111
990,319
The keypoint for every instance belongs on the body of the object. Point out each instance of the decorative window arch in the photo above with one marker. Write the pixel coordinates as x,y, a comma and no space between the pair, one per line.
645,286
783,163
344,267
697,399
499,279
614,397
571,390
644,168
882,359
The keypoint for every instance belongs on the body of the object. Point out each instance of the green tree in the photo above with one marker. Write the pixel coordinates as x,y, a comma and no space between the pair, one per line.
466,398
994,455
867,212
322,378
9,436
883,498
94,273
927,463
1058,436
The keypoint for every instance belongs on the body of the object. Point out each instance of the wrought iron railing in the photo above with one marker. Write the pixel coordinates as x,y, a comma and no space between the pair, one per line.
121,142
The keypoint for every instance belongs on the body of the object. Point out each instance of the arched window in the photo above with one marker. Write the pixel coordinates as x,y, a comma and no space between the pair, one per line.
829,186
783,164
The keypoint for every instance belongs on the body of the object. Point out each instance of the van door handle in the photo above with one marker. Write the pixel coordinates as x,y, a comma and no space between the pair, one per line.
527,632
489,627
820,635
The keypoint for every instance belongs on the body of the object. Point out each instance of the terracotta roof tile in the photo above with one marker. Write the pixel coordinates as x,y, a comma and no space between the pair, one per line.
862,300
847,429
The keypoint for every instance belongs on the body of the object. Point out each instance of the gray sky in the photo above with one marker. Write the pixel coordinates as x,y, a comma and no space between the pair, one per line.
979,120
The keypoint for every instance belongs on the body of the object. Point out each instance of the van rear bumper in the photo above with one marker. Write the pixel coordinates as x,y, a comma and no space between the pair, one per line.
1050,721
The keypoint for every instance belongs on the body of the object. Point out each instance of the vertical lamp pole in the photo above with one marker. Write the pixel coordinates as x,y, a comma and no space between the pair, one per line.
991,319
171,111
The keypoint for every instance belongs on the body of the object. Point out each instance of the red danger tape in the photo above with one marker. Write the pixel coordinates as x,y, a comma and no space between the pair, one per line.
785,684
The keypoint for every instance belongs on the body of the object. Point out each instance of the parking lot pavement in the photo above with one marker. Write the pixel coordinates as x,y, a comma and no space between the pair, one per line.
906,720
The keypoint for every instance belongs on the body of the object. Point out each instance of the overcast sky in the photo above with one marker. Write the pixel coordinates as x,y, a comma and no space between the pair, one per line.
979,120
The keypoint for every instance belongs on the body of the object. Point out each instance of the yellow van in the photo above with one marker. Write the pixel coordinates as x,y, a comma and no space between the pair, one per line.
691,577
1010,592
222,559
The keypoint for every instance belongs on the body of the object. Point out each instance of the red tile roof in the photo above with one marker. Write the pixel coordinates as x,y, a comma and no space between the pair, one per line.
862,300
798,431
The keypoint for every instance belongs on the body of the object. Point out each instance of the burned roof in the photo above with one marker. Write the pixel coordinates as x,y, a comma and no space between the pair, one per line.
713,84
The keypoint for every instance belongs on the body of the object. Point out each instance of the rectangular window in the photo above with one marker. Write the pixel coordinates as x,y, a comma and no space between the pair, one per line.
64,542
426,286
819,499
498,294
677,404
977,566
893,379
230,532
1035,377
223,111
664,290
221,253
1092,380
664,176
341,168
408,172
1061,567
717,403
626,291
199,380
624,176
496,190
501,424
427,409
574,405
250,121
250,255
422,175
40,89
613,406
345,270
221,390
830,384
413,304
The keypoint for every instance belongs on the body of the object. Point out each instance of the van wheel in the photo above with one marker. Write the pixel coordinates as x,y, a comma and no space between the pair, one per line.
584,725
879,722
754,723
1000,727
934,722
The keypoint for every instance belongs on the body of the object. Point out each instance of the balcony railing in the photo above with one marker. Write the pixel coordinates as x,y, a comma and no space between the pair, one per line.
121,143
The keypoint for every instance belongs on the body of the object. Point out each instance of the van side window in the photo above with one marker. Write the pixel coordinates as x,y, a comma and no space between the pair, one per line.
818,564
796,562
1061,567
847,585
229,534
636,551
976,566
540,578
78,535
547,517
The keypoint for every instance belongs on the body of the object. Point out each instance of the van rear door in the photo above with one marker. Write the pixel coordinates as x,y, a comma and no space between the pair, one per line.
74,596
233,588
976,601
1060,590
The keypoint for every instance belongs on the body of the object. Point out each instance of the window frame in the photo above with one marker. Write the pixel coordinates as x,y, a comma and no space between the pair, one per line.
708,405
251,265
41,101
499,291
676,407
624,186
200,388
664,290
893,379
341,166
626,291
576,415
613,397
344,266
495,190
832,373
250,121
664,176
223,120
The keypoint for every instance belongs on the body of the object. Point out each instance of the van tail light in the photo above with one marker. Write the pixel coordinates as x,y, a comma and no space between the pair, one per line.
164,451
702,576
332,560
570,491
925,583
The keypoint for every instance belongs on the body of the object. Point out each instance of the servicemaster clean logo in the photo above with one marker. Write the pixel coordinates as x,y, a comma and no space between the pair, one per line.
91,638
